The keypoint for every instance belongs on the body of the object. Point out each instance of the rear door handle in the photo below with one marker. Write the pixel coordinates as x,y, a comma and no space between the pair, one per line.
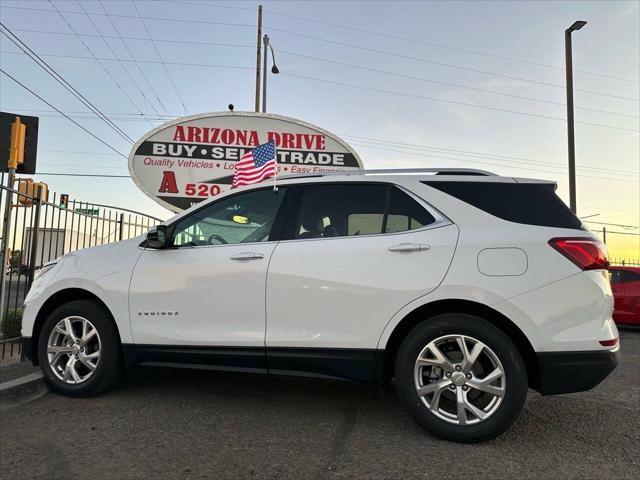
409,247
247,256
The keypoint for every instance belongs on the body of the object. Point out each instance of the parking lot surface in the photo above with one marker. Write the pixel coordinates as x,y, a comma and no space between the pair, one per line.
182,424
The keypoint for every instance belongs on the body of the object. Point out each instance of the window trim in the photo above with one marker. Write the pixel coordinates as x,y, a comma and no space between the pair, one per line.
275,234
440,220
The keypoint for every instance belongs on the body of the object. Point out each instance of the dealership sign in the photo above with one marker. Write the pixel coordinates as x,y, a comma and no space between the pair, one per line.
193,158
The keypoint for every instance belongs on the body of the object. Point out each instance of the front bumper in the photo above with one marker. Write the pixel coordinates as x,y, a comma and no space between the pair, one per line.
568,372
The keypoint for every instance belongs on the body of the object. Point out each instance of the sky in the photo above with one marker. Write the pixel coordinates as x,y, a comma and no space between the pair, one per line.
474,84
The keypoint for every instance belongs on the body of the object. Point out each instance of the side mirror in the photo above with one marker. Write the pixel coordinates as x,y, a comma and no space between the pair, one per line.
157,237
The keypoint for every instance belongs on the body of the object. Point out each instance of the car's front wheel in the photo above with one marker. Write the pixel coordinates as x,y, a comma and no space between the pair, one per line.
79,349
461,378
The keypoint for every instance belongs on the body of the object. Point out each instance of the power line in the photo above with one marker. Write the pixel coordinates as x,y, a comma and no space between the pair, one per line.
345,44
360,67
352,28
412,77
164,66
145,100
56,76
81,57
613,209
94,56
47,164
115,28
613,224
76,152
83,175
124,68
449,47
164,40
511,158
63,114
421,97
376,147
448,65
377,90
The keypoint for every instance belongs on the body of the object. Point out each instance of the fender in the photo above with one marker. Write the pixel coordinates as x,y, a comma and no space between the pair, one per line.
451,292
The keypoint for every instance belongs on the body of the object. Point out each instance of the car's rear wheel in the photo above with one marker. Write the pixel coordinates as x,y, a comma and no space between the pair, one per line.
79,349
461,378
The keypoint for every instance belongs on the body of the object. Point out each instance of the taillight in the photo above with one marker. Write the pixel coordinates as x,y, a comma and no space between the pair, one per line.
586,253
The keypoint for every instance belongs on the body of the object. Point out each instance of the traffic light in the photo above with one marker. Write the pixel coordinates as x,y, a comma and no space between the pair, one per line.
64,201
16,148
30,190
18,143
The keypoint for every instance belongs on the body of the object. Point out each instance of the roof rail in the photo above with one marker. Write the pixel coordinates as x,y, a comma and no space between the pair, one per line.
435,171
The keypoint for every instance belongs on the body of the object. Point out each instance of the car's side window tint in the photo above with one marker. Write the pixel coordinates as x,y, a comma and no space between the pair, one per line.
627,277
352,209
338,210
405,213
244,218
615,276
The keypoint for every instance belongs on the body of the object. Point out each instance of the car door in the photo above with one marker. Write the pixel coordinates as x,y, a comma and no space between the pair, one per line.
208,288
617,288
351,256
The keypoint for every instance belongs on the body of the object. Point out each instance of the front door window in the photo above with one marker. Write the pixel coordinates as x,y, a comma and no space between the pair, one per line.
243,218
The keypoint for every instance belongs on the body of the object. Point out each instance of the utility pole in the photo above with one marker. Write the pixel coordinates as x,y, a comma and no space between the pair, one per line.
258,52
570,124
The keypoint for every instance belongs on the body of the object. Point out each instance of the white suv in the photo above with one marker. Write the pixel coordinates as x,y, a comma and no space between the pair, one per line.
461,287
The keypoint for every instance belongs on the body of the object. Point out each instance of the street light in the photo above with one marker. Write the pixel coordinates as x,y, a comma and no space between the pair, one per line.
571,140
274,70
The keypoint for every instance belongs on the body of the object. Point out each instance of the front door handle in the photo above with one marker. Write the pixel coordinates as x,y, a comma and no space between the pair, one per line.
247,256
409,247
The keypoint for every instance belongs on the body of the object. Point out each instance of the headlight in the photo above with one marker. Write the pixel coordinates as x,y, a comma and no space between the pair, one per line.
46,267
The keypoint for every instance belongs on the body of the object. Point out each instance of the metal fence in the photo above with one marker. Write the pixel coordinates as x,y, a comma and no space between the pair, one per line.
625,262
41,230
11,351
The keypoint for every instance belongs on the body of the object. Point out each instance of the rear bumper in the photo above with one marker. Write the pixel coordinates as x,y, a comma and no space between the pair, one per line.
568,372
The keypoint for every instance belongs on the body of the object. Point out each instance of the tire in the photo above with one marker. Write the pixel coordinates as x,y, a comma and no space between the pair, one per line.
101,350
497,402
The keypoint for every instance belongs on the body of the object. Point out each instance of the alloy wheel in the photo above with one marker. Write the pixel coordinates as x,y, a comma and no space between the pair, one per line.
73,350
459,379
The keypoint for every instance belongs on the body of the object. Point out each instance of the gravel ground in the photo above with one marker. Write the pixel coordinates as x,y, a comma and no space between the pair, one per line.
180,424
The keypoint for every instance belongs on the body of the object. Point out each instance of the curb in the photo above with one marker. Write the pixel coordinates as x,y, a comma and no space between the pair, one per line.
22,390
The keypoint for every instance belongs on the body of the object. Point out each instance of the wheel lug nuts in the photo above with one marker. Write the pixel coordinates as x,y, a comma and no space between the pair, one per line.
448,375
452,387
458,368
468,376
465,388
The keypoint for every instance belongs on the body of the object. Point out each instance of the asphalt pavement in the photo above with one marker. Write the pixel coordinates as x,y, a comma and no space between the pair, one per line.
182,424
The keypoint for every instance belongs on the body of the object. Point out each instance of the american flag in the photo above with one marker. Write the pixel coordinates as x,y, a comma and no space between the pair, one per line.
255,166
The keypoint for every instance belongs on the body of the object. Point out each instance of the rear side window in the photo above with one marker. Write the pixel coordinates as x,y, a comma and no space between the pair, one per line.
528,203
352,209
624,276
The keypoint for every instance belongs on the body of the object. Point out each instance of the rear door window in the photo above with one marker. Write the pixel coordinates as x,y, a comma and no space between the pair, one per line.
354,209
528,203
